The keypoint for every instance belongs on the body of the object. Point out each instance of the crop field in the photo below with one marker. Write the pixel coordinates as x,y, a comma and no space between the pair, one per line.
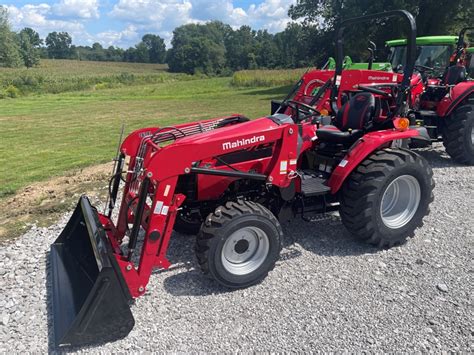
265,78
56,76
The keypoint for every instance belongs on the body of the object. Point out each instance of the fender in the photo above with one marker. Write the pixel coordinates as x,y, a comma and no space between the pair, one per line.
455,96
363,148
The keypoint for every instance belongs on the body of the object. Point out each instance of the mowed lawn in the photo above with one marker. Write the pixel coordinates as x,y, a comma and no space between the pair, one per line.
47,135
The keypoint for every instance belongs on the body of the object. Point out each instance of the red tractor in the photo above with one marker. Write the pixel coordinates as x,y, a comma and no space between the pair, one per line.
445,104
442,101
233,180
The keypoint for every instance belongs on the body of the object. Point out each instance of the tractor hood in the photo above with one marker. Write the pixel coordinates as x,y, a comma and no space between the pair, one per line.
242,131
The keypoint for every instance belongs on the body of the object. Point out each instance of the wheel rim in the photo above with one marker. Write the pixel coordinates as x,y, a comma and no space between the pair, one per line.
245,250
400,201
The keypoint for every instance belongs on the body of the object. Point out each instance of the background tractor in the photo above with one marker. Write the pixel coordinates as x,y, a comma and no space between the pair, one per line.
441,95
444,102
234,181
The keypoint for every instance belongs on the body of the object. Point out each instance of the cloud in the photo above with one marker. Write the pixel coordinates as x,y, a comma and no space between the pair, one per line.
86,9
36,17
224,11
153,14
162,16
167,14
131,19
118,38
270,14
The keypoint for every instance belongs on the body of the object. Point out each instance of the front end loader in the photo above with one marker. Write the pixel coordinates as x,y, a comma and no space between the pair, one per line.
232,182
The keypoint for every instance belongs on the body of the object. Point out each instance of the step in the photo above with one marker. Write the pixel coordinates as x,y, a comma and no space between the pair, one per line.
313,186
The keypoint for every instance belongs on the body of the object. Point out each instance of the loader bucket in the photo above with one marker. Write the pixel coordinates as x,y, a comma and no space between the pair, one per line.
89,294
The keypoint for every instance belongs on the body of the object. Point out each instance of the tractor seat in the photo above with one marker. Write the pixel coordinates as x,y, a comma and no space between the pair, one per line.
454,75
352,120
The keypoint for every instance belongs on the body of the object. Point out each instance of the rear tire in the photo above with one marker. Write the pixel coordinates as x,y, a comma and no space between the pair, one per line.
458,137
385,199
239,244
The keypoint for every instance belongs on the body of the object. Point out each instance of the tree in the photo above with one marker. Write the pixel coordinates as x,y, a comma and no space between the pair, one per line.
59,45
266,50
29,53
33,36
199,48
141,53
130,55
156,48
97,52
9,51
240,48
293,46
115,54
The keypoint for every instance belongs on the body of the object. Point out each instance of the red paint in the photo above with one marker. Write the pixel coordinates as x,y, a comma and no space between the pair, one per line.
454,97
366,145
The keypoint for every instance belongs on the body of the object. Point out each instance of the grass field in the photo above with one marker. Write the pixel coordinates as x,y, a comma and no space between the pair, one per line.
56,76
44,136
265,78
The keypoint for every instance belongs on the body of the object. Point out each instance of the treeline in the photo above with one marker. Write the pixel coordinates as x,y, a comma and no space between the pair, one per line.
215,48
151,49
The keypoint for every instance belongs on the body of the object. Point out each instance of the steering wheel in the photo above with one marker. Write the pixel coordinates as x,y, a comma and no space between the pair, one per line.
296,105
423,68
373,90
310,111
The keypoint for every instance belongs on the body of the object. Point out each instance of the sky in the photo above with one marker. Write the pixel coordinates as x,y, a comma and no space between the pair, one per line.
122,23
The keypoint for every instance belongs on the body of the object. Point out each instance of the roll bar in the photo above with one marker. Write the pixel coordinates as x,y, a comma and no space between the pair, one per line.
372,49
410,58
460,45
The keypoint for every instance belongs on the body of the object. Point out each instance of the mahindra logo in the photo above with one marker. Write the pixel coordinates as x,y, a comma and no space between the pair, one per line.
378,77
242,142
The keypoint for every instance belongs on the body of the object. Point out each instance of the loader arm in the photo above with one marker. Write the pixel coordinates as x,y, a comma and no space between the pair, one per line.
153,176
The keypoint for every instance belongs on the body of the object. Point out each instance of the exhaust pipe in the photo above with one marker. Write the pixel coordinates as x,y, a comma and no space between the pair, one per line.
89,294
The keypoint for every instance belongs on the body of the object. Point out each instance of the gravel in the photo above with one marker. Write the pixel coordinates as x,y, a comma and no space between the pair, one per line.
328,292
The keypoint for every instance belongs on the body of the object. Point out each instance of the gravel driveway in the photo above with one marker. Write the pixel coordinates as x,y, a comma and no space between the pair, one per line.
328,292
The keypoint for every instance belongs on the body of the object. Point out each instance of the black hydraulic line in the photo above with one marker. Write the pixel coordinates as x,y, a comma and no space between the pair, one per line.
226,164
372,48
116,184
237,174
138,216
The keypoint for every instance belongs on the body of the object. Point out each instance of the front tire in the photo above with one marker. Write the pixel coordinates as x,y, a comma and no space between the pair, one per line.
458,137
239,244
385,199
